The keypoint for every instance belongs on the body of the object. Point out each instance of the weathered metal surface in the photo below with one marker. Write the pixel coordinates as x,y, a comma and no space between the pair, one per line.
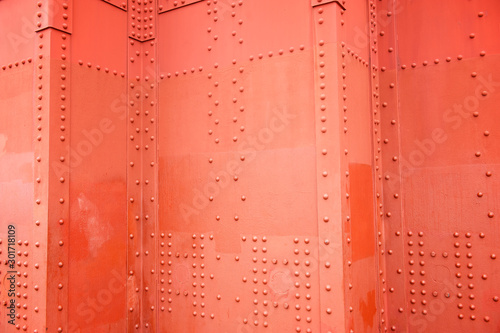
249,166
438,124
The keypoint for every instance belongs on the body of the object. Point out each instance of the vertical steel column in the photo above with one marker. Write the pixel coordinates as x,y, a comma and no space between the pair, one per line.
142,167
377,161
52,106
329,160
393,294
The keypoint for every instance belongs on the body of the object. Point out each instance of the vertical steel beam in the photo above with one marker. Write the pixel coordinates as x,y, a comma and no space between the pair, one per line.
329,160
393,293
135,253
142,180
377,161
52,113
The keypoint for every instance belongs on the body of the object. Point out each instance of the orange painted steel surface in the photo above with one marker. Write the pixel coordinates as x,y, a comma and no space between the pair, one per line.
249,166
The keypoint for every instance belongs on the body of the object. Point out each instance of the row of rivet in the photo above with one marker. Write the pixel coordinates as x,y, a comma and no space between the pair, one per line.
150,172
136,288
376,162
327,123
390,281
58,174
61,235
233,61
40,191
98,68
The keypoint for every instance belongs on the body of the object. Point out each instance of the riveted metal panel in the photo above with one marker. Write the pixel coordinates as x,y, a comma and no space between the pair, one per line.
438,124
250,166
227,149
97,163
227,185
